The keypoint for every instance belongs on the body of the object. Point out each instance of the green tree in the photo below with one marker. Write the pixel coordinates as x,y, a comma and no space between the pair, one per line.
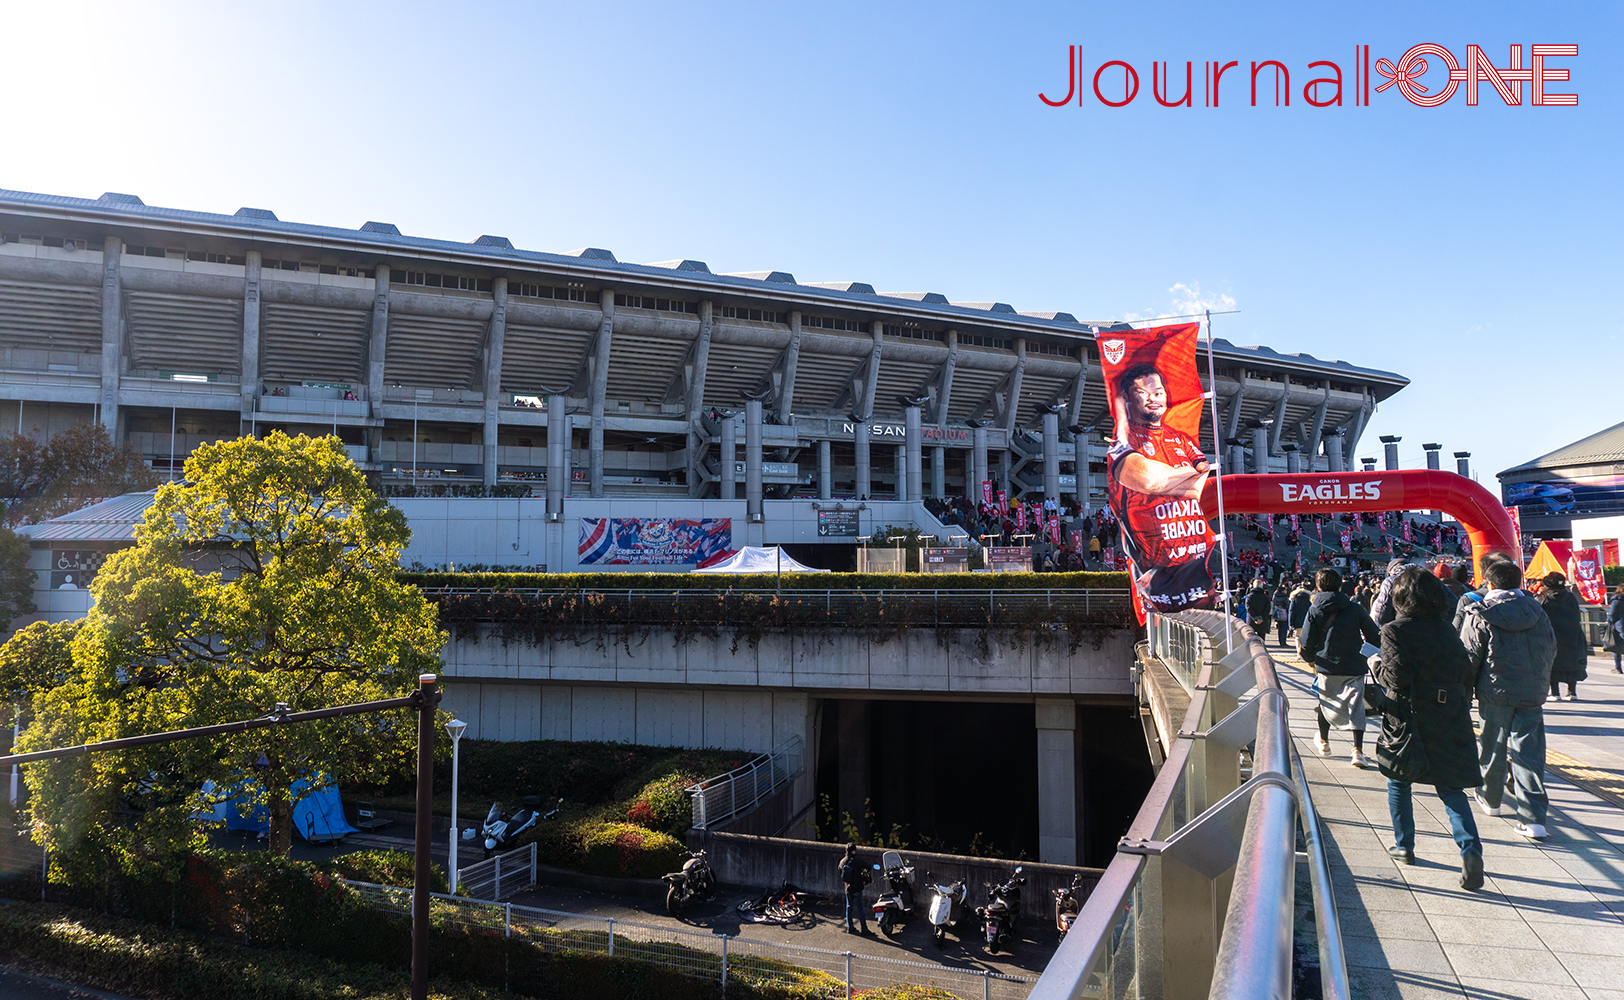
16,579
266,577
77,467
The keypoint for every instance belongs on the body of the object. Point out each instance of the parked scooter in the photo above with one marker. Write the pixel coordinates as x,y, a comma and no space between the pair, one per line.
896,905
1003,909
695,881
946,907
502,831
1068,902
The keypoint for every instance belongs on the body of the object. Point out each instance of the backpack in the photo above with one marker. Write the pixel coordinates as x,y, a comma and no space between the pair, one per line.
853,874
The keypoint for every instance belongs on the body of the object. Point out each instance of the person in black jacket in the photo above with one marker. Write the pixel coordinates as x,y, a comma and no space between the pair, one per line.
854,877
1561,606
1427,677
1331,641
1615,623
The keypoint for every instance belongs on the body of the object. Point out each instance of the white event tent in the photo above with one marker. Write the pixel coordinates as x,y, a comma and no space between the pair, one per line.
759,560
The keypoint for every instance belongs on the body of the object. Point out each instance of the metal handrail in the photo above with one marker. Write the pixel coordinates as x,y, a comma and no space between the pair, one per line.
727,795
1197,813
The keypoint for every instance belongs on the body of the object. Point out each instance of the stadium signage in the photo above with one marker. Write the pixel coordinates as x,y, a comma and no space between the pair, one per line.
929,435
1116,83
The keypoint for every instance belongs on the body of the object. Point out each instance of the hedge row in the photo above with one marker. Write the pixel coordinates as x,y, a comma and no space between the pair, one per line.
768,581
1614,575
472,963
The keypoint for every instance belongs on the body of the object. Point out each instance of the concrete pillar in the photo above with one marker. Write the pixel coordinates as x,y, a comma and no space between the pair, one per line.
558,454
855,763
494,335
730,436
1236,460
112,332
825,471
1085,478
1260,447
1003,473
1433,458
1463,465
863,487
250,334
913,454
1294,458
1051,456
600,387
979,458
752,459
899,466
1370,464
1333,451
938,472
1390,450
972,486
1057,782
378,340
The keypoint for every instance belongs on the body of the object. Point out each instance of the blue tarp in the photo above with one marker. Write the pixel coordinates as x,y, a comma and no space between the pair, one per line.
317,816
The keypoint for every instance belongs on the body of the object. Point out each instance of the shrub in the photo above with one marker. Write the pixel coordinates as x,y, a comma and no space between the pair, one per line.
383,868
663,804
630,851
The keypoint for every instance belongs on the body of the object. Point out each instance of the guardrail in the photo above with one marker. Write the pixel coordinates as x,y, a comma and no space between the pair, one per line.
1198,901
500,875
699,953
727,795
919,607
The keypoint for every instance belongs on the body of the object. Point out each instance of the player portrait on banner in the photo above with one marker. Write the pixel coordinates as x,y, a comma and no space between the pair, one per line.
1156,468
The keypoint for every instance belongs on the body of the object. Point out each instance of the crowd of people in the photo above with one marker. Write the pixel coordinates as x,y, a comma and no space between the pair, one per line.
1419,645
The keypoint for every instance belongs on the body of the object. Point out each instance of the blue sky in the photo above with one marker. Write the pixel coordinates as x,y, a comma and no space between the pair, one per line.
1474,249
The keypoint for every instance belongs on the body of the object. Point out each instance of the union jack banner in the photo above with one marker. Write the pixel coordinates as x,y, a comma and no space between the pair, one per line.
652,541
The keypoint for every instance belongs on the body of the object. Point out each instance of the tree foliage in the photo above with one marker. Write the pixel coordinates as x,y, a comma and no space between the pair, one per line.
75,468
16,579
266,577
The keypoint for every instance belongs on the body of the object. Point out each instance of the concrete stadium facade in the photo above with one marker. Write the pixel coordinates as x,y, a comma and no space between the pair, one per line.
452,362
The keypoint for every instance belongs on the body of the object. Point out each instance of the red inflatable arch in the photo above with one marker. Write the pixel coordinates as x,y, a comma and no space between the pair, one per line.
1487,524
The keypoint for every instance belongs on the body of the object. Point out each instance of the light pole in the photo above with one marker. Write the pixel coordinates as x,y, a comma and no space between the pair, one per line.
454,728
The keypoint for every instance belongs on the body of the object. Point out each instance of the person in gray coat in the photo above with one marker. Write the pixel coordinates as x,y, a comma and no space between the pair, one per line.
1512,646
1381,608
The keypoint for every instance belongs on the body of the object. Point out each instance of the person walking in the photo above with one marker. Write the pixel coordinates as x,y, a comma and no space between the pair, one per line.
1561,606
1301,597
1332,641
854,877
1512,646
1257,607
1425,676
1280,607
1615,626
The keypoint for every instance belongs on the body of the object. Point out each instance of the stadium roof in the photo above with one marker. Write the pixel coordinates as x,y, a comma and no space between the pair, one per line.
109,521
385,239
1602,448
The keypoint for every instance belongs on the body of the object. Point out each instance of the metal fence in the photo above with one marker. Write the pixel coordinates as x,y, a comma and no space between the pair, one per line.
699,953
953,607
500,875
1198,902
727,795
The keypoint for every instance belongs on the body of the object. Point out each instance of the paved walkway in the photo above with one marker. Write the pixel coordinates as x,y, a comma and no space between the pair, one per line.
1549,922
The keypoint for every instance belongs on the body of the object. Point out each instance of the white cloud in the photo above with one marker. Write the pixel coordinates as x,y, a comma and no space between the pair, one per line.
1185,300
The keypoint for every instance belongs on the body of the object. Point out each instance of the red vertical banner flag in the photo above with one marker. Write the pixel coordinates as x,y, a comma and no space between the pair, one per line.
986,492
1003,502
1347,541
1077,541
1408,533
1020,516
1319,529
1155,468
1054,529
1299,567
1516,529
1584,569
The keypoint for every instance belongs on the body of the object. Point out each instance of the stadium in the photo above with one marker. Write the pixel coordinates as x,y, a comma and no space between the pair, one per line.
453,363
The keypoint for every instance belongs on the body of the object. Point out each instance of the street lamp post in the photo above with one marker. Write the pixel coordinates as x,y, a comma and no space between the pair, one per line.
454,728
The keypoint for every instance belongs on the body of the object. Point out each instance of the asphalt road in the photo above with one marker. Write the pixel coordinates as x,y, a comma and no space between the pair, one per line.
20,986
825,930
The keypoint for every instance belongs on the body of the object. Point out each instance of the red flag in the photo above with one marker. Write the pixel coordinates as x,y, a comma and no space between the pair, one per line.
1155,468
1408,534
1299,568
1586,572
1077,541
1319,529
1020,516
986,492
1003,501
1054,530
1347,541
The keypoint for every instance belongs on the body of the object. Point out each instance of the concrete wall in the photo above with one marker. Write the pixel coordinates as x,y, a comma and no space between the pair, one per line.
467,531
763,862
838,661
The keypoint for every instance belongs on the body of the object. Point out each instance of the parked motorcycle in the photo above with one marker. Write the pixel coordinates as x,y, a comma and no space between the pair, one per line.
501,831
895,905
1068,902
946,906
695,881
1003,909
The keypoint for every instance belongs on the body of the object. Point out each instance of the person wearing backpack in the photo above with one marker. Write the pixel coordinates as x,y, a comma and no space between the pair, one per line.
854,877
1331,642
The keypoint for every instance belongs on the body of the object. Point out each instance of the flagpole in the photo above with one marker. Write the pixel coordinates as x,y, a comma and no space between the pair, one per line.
1218,469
